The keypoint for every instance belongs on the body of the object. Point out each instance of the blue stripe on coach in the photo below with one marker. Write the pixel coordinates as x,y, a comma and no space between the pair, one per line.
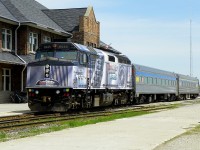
145,74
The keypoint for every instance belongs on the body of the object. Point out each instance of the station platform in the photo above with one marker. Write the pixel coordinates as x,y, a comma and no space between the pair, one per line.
13,109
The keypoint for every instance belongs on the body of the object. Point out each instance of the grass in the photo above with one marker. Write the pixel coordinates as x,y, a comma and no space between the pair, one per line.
195,130
46,128
57,126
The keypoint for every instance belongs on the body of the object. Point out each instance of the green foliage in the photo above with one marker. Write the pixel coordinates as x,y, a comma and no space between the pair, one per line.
57,126
2,135
46,128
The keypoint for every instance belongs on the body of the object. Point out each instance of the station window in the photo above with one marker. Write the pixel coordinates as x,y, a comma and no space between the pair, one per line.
46,39
6,39
33,41
6,79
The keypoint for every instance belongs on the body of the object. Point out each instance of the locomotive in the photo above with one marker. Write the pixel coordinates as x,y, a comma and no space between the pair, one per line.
68,75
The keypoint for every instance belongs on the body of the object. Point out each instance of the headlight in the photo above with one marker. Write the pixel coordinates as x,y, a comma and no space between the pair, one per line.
47,70
37,92
47,66
57,91
47,75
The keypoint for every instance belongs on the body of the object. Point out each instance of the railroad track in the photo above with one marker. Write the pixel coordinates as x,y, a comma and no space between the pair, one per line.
28,120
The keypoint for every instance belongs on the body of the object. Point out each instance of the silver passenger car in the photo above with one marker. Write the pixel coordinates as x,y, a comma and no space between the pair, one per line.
154,84
188,86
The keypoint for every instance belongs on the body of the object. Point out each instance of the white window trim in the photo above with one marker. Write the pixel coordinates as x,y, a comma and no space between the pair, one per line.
6,49
4,78
45,39
31,35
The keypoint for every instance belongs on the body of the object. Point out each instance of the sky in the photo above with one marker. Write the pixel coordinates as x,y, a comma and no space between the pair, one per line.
154,33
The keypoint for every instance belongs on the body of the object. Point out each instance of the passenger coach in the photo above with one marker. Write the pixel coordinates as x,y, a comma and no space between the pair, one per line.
154,84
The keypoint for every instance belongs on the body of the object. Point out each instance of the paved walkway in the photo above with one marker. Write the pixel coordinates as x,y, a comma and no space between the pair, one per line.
13,109
137,133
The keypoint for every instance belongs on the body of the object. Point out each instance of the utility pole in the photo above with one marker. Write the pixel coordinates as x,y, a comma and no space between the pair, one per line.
190,47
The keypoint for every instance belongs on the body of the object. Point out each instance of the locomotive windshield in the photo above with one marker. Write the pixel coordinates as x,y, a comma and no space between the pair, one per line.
61,54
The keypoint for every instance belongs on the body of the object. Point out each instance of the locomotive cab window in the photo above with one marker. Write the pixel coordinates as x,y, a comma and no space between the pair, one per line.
61,54
111,58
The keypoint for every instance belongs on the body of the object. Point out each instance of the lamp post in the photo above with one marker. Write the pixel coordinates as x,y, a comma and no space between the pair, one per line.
190,47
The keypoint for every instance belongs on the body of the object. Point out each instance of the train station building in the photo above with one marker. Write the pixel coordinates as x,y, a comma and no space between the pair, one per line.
25,24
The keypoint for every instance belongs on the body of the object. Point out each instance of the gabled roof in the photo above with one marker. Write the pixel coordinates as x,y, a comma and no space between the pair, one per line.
4,13
68,19
9,58
28,11
28,58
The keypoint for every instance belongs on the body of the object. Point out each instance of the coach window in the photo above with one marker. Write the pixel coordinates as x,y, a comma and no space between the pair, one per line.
162,82
154,81
166,82
170,83
150,80
145,80
158,81
141,79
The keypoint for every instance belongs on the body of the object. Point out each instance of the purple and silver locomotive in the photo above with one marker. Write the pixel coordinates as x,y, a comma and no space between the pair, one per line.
69,75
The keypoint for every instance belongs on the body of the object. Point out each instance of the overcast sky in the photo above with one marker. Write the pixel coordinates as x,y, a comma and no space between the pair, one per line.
154,33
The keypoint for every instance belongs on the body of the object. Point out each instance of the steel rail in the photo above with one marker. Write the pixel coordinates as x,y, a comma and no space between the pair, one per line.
50,118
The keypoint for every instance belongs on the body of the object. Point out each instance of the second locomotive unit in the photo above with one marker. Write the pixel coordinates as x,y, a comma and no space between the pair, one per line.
69,75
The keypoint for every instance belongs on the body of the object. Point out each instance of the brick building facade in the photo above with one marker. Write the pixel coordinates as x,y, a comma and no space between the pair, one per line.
81,22
25,24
